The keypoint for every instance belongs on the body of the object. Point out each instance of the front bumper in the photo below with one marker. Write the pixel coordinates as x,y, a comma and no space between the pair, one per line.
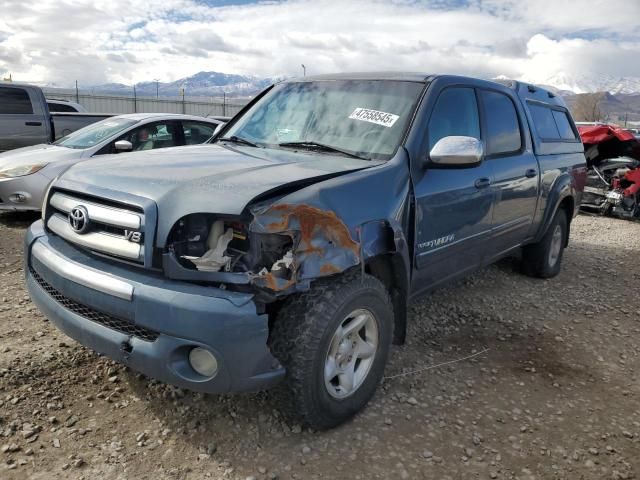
147,322
30,188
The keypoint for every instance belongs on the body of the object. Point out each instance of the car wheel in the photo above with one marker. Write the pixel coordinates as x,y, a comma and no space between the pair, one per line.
544,259
333,341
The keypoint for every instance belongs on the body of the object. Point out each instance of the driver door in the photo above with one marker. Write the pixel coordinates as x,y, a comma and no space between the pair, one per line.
150,136
453,203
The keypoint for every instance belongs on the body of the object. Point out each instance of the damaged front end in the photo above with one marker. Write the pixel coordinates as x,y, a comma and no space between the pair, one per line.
273,249
613,180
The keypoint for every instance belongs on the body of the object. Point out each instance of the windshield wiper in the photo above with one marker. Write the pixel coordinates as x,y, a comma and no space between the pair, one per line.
239,140
320,146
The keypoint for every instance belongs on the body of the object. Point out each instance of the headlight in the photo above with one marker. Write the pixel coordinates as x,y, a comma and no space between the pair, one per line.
22,170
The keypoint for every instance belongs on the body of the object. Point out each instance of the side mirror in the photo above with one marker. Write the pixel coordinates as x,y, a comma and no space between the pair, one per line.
456,151
123,146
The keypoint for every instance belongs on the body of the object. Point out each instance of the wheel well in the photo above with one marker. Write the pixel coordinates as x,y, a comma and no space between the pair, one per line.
390,271
567,205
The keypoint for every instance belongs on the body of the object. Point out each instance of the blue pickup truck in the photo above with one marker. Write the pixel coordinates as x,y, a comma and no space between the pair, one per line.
285,252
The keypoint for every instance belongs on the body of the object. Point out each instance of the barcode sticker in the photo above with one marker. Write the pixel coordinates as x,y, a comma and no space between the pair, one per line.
374,116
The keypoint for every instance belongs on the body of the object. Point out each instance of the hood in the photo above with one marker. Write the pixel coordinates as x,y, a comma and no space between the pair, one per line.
603,142
205,178
36,154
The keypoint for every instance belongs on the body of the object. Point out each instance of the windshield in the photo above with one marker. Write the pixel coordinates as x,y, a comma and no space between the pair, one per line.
366,118
95,133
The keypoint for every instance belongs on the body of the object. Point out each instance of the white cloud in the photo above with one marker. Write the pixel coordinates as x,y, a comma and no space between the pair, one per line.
130,41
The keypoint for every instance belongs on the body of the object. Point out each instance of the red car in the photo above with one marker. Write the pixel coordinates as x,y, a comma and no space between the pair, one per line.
613,182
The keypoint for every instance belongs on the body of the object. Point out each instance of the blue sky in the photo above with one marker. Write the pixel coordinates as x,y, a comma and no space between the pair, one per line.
127,41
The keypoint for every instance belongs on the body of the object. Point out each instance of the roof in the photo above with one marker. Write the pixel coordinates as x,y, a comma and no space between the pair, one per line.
420,77
536,93
402,76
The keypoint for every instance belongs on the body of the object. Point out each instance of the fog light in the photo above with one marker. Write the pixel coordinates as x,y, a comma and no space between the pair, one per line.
18,198
203,362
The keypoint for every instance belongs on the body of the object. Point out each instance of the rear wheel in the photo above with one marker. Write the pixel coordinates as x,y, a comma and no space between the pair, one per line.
544,259
334,342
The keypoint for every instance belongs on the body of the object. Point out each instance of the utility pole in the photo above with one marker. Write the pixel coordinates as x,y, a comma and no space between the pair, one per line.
135,99
184,107
304,70
77,94
157,87
224,104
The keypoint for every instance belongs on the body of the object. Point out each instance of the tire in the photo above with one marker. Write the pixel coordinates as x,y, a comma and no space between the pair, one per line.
544,259
304,338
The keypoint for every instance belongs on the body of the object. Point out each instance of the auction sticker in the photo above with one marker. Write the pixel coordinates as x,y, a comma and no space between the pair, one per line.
374,116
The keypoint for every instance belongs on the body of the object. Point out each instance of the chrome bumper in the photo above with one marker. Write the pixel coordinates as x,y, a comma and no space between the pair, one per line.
88,277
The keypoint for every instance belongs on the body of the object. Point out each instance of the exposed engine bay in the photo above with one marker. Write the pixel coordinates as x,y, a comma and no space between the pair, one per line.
207,244
277,248
613,179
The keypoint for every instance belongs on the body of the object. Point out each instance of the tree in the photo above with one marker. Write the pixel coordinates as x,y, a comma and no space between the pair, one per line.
586,107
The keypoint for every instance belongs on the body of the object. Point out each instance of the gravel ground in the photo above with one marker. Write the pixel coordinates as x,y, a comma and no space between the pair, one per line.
554,396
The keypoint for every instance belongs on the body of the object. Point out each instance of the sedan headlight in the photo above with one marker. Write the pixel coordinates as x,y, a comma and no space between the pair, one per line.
22,170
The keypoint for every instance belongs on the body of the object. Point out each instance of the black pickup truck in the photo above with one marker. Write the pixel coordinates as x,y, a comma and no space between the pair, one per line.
287,251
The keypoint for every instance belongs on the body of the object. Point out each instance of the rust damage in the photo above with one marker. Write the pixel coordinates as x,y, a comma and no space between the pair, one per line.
322,244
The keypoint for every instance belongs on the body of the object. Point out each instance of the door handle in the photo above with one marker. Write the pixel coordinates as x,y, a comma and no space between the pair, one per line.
33,124
482,182
532,172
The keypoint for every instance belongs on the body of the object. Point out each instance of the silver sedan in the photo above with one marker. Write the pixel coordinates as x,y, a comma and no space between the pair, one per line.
25,173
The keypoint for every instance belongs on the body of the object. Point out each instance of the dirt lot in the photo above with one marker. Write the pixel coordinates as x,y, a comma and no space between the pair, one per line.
555,396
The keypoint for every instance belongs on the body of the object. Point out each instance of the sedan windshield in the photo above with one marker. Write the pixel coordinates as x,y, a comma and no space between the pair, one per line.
362,118
95,133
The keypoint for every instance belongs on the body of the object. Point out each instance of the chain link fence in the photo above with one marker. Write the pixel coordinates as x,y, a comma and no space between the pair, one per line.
101,103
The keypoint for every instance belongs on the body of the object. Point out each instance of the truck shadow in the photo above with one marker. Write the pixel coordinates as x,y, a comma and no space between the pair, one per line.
449,324
518,319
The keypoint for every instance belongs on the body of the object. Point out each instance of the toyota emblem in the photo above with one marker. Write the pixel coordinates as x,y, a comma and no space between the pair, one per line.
79,219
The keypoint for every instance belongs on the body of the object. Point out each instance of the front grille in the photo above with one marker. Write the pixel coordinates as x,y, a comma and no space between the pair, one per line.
114,323
117,230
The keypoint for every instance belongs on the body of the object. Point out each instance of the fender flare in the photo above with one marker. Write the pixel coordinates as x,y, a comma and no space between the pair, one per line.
561,189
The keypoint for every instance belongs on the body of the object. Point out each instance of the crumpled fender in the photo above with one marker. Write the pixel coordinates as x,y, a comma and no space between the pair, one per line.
338,223
322,242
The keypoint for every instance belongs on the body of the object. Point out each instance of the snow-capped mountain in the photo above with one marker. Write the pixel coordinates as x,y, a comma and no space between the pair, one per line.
217,83
200,84
590,83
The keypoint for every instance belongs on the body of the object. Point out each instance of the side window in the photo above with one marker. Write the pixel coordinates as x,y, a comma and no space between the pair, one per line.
552,124
503,128
14,101
152,136
455,113
564,125
197,132
544,122
58,107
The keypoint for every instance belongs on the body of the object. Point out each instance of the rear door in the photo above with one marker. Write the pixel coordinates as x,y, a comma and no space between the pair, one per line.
514,167
453,205
22,119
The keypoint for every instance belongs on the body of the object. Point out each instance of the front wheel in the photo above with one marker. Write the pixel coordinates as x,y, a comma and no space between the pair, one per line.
544,259
334,341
